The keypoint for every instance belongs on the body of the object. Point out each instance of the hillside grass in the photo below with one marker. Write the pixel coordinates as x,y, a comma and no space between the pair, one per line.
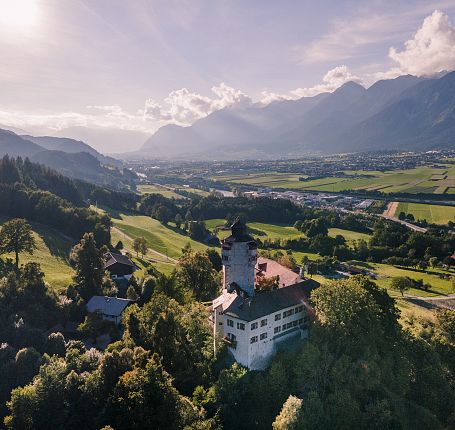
349,235
52,254
167,240
435,214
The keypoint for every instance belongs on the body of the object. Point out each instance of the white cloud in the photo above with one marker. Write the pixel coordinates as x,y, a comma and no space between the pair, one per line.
184,107
431,50
332,80
181,107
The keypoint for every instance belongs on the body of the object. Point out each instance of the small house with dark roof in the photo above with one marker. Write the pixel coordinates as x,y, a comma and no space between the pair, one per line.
119,266
254,324
111,308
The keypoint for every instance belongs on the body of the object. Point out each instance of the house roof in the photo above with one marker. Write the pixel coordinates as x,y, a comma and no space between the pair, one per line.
110,258
270,268
266,303
107,305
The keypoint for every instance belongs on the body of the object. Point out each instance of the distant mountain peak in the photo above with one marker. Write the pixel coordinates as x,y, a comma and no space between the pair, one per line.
392,113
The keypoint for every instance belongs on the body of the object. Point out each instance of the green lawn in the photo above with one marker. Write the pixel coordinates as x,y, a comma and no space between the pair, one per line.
432,213
52,254
349,235
385,273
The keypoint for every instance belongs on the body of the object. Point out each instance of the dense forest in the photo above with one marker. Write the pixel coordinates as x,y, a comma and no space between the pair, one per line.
359,368
37,193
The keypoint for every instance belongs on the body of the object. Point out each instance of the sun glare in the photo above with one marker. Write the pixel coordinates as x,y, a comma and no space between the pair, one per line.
18,13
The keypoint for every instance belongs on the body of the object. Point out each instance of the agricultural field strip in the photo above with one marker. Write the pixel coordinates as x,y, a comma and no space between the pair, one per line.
413,180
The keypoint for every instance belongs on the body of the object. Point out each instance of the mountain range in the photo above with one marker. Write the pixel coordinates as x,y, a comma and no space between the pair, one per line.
70,157
407,112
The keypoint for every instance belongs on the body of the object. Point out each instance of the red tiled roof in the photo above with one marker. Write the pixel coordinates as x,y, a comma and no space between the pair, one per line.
272,269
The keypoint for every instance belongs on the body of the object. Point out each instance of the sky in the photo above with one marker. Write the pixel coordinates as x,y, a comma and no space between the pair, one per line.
95,69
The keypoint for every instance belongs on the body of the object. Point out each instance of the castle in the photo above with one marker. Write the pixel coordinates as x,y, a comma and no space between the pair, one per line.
254,324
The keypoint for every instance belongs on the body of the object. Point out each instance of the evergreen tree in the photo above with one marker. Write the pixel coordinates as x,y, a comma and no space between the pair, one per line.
89,264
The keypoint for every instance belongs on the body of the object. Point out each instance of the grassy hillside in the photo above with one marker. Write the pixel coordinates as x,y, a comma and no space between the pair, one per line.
163,239
432,213
349,235
52,254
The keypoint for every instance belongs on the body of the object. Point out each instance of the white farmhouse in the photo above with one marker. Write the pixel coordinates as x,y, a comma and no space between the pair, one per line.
253,324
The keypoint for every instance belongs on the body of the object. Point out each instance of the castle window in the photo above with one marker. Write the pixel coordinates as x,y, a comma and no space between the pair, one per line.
254,339
264,322
277,317
240,326
254,326
231,337
263,336
230,323
294,323
300,308
225,258
277,329
296,310
301,321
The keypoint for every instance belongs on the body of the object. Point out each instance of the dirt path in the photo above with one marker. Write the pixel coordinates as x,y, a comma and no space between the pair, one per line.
390,210
440,302
165,257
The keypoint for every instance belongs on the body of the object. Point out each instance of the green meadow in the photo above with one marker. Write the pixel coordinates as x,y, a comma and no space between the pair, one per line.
435,214
52,253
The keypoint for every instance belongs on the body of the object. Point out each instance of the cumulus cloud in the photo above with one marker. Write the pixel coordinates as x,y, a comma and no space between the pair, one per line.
431,50
332,80
184,106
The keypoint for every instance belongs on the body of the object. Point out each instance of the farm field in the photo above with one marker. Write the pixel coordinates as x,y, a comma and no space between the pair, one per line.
436,214
418,180
156,189
169,192
52,254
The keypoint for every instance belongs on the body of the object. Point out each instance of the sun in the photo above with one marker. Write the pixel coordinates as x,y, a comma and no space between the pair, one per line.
18,13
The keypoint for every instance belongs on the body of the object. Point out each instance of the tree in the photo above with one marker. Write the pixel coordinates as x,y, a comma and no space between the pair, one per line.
119,245
401,216
140,246
178,221
433,262
94,325
131,293
289,417
89,266
162,213
196,274
16,236
401,283
214,258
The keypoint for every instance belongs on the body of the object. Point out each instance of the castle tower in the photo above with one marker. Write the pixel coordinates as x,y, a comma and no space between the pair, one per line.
239,255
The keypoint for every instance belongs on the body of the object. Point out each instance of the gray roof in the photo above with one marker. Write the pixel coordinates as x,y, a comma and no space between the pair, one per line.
267,303
112,306
112,258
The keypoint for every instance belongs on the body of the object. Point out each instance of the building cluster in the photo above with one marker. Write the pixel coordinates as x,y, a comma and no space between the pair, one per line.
255,324
316,200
